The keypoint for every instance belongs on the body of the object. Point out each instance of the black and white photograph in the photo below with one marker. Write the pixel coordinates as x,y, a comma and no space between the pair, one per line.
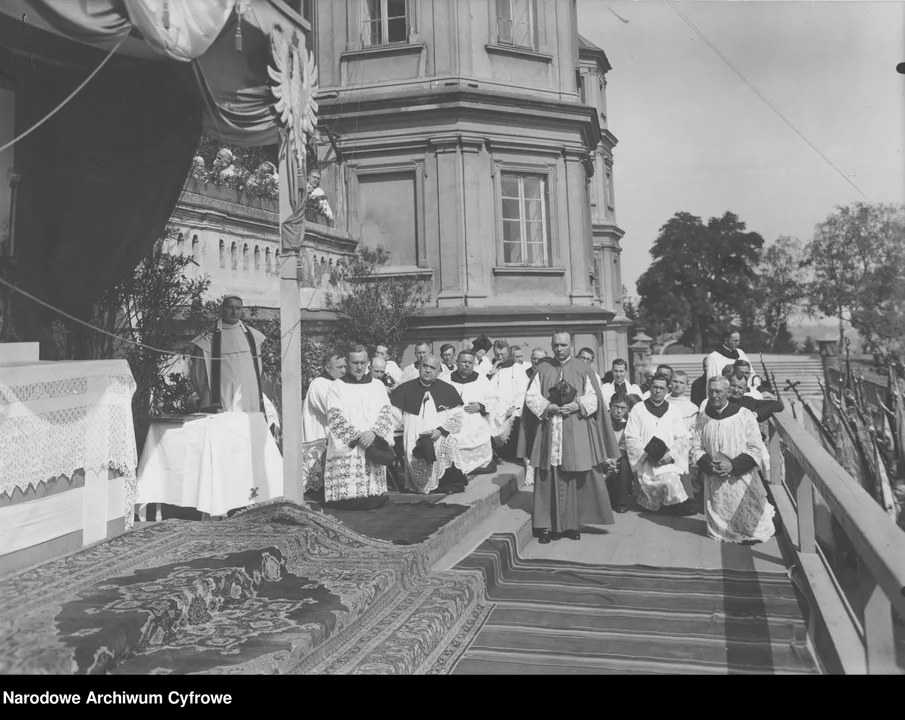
448,337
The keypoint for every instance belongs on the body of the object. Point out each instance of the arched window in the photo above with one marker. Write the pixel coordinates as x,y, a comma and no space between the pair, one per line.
267,265
195,247
257,259
180,244
222,255
234,256
276,261
245,258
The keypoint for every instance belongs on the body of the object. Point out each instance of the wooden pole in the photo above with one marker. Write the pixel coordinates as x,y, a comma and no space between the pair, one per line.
290,348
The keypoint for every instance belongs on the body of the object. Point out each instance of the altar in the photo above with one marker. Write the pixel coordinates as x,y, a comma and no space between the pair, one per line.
213,463
67,455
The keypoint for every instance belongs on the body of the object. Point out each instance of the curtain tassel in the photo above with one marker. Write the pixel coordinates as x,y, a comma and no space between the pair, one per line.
239,30
166,14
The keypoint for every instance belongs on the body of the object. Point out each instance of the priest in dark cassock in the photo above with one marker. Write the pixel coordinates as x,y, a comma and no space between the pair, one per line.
431,414
728,449
361,424
698,392
572,447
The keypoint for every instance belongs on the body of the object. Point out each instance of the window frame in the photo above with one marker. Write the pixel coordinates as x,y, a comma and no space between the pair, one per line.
533,25
364,42
547,178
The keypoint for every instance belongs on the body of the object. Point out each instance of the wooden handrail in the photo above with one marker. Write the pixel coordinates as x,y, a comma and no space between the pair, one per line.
880,544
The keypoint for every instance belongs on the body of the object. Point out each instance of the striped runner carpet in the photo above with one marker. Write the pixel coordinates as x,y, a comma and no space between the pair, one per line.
555,617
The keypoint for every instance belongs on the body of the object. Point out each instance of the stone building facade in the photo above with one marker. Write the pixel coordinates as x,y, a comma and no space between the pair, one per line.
470,139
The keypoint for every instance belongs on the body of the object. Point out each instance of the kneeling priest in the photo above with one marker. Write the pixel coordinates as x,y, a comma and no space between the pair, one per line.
361,424
431,415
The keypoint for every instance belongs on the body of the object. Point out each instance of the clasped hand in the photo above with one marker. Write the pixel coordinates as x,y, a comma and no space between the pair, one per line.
564,411
666,460
367,438
473,407
722,468
435,434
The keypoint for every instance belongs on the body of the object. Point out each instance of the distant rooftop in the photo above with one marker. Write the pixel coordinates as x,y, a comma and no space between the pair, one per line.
586,46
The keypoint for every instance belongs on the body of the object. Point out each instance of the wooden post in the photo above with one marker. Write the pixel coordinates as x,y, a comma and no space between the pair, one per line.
290,349
879,642
805,501
777,461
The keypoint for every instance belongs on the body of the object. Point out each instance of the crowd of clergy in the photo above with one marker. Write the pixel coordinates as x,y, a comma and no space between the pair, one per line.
589,444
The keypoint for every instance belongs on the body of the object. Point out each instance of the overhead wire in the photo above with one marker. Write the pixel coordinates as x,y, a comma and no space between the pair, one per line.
760,95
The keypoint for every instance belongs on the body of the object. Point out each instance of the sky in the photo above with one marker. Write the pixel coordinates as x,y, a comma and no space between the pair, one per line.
693,137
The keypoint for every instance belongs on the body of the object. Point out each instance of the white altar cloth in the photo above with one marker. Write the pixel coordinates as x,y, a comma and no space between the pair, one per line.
213,464
57,417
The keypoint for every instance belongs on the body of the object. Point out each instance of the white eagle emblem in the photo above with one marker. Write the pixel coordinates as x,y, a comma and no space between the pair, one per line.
295,76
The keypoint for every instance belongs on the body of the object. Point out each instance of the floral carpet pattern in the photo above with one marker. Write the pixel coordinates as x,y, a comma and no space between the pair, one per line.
275,589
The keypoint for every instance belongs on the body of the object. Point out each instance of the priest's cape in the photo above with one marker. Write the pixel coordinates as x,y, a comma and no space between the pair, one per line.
422,410
353,407
474,437
568,454
659,484
736,507
314,432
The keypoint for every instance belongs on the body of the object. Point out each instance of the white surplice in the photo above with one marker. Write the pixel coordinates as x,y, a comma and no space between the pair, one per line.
609,389
474,437
736,507
410,373
660,484
353,408
716,361
314,433
507,388
422,476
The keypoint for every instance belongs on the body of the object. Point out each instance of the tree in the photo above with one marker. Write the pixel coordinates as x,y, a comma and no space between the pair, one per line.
780,288
378,308
701,276
809,346
857,256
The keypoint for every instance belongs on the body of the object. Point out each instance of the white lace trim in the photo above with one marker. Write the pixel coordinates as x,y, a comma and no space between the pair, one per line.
50,428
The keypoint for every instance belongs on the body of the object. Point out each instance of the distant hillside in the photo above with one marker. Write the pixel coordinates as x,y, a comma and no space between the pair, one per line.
819,331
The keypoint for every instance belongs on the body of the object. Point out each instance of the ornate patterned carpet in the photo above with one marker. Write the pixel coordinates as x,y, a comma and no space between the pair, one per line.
571,618
276,589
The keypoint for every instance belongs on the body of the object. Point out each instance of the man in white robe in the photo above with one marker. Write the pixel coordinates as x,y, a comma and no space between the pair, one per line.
508,384
232,353
315,422
728,352
481,347
620,383
359,415
474,437
518,356
431,414
743,367
587,355
727,448
657,443
448,360
392,369
678,386
413,371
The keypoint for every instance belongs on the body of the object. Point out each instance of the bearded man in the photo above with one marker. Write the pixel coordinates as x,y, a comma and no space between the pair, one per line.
431,414
474,437
728,449
573,447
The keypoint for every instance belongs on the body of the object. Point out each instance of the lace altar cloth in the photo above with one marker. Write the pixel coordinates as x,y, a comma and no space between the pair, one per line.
57,417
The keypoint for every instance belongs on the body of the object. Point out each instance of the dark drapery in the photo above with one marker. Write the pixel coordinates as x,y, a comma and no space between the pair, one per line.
101,178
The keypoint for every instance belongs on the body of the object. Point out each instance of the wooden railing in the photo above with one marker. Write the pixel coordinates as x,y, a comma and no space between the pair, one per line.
802,472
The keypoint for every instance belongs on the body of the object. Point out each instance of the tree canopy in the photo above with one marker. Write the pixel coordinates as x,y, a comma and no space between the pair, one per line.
702,275
857,257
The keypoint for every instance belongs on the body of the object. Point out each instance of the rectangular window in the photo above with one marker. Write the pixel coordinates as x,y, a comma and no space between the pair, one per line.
525,213
515,22
579,81
609,190
388,215
384,22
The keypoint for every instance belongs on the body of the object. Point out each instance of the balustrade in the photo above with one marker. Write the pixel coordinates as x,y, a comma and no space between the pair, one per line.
854,567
